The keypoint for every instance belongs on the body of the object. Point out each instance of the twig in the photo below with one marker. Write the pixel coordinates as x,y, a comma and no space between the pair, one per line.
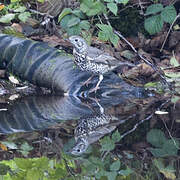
169,32
154,67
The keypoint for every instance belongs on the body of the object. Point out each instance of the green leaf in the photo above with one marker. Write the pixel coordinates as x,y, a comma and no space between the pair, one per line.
24,16
153,9
113,8
65,12
122,1
116,137
114,39
34,174
156,137
41,1
153,24
103,36
26,147
111,175
125,172
115,166
64,21
4,169
79,13
7,18
23,163
173,75
169,14
10,145
171,147
20,9
73,21
175,99
84,25
75,30
174,62
92,8
108,0
107,144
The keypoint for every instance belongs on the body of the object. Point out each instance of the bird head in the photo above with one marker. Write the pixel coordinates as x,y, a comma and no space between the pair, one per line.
79,44
80,147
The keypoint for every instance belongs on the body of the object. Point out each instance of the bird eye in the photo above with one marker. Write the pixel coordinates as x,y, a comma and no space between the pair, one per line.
76,40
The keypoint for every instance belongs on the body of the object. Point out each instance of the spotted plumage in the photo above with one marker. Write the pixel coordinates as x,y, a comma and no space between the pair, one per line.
92,59
89,130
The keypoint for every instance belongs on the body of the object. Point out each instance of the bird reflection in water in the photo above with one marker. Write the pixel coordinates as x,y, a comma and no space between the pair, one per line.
91,128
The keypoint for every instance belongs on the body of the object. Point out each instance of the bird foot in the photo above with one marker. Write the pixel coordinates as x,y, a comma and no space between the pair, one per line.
94,89
87,81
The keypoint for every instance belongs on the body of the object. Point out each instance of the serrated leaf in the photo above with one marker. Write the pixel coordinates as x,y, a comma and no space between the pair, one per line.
174,62
79,13
73,21
7,18
107,144
75,30
169,14
114,39
153,9
84,25
65,12
112,7
156,137
24,16
116,137
115,166
103,36
153,24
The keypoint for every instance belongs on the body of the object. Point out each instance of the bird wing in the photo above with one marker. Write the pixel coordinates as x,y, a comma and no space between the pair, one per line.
100,57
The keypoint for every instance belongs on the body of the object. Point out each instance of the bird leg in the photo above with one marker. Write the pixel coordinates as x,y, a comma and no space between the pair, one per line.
97,85
88,80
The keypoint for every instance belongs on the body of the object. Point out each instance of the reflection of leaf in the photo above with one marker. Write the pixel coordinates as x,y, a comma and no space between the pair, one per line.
10,145
173,75
174,62
115,166
7,18
175,99
156,137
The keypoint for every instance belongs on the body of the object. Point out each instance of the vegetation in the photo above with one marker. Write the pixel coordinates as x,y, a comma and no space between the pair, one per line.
103,160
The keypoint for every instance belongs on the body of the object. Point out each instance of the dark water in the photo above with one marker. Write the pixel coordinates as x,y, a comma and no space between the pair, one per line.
49,124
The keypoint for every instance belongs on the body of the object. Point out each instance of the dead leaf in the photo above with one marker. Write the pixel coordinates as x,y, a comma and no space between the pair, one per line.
13,80
3,147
